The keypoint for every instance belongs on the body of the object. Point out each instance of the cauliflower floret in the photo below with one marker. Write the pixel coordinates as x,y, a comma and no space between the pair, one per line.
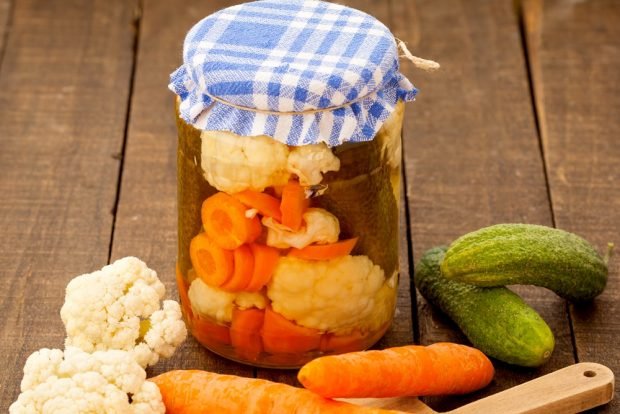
328,295
76,382
218,304
232,163
309,162
118,307
385,303
321,227
389,136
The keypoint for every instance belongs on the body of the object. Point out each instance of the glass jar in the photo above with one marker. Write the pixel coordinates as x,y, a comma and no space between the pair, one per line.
289,159
258,291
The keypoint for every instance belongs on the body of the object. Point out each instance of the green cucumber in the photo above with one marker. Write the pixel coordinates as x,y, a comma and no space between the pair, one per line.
527,254
495,320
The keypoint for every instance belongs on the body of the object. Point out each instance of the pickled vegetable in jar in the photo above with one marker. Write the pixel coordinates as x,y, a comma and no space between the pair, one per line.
289,120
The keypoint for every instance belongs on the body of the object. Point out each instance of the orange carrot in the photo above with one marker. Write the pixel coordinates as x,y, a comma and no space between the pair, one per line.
198,392
414,370
294,204
212,264
245,332
354,341
265,261
185,303
210,333
224,220
266,205
281,335
244,267
325,251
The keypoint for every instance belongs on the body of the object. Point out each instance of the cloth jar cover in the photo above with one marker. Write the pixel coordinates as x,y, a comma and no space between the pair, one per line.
300,71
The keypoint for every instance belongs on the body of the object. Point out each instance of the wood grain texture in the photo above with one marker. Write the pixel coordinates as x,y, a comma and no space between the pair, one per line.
63,97
5,20
574,58
471,150
146,222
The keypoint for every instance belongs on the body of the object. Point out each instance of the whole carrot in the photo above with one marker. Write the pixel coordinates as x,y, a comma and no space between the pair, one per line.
438,369
199,392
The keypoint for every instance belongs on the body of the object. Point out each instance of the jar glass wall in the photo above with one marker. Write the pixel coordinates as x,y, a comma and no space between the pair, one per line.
287,253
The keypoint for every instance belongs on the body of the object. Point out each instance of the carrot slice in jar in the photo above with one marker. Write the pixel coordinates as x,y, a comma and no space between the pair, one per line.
225,222
244,268
265,261
325,251
212,264
245,332
294,204
353,341
281,335
266,205
210,333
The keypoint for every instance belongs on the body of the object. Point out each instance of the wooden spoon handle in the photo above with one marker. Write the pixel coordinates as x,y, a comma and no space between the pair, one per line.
568,390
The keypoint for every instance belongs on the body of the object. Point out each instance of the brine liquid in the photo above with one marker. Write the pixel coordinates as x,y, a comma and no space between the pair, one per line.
364,196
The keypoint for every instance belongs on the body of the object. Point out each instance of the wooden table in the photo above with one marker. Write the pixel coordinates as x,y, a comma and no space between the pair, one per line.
522,124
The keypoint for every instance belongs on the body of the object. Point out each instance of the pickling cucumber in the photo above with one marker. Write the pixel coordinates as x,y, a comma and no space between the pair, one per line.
495,320
527,254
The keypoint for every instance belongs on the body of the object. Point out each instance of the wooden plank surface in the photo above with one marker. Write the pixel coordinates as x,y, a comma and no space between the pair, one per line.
574,57
63,95
472,155
472,150
146,222
5,20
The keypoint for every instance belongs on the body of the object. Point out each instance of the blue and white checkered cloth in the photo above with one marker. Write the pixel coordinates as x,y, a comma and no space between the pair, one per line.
300,71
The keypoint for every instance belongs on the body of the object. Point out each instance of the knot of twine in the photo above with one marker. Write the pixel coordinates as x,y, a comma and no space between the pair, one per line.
424,64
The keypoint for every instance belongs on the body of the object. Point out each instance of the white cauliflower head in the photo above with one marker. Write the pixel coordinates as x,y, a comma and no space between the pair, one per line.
76,382
118,307
332,295
320,227
218,304
309,162
232,163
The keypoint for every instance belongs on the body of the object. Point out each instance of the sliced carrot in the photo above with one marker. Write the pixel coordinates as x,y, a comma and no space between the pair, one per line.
245,332
212,264
354,341
265,261
266,205
224,220
182,288
325,251
276,190
244,267
210,333
439,369
281,335
294,204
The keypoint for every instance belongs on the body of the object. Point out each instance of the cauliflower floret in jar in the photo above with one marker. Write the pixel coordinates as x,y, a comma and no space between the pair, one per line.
218,304
390,135
384,305
331,295
321,227
232,163
309,162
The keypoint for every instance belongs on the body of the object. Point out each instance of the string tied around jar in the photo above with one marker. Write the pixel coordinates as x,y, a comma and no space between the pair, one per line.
418,62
